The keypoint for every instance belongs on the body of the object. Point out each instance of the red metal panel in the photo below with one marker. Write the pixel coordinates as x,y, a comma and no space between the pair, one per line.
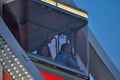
46,75
49,76
6,76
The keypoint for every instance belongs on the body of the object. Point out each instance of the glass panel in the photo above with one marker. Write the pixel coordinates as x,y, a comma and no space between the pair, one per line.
73,52
46,30
91,77
82,49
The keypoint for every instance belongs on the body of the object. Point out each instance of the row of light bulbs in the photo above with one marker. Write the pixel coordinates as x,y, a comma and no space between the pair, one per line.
11,63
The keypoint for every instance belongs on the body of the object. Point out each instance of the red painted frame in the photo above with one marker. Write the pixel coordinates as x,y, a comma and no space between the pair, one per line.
46,75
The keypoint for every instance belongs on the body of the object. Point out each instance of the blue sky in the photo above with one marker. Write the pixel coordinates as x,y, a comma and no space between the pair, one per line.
104,21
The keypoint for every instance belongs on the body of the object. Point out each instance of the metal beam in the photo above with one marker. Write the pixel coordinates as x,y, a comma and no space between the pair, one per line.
101,67
14,59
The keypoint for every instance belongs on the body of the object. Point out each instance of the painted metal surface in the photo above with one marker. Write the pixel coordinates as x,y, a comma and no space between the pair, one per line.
18,52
